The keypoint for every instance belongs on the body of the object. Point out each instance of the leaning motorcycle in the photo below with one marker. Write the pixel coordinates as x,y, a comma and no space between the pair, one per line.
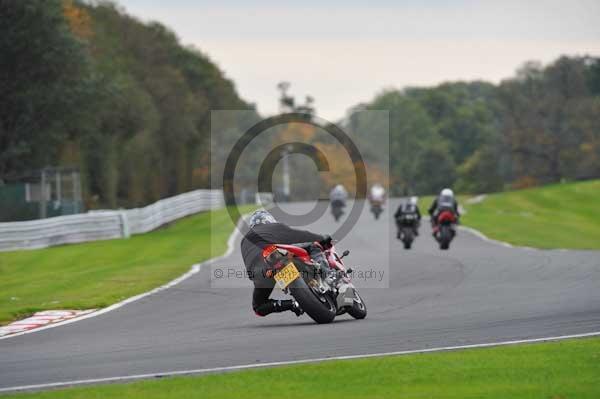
319,283
444,229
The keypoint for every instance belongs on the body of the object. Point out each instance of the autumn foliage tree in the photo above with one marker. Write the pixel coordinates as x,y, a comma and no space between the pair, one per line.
44,81
83,84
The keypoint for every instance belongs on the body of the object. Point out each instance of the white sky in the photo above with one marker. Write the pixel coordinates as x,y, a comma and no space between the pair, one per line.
345,52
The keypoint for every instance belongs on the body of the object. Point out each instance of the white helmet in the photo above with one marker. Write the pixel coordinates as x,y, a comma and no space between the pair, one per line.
447,193
261,217
377,190
413,200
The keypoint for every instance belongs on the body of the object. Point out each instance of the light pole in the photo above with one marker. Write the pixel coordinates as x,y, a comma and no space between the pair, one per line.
285,155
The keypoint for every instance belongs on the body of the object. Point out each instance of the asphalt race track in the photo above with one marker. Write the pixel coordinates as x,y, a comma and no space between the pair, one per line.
478,292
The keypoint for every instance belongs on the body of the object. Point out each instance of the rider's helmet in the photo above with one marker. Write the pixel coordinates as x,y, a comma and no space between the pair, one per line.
413,200
447,193
377,190
261,217
339,188
377,193
338,193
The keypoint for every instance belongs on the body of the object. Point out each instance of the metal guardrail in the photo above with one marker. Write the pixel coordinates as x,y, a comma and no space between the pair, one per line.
105,225
143,220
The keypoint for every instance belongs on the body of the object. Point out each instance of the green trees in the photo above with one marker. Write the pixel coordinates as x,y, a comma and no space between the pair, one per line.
82,84
540,126
44,77
157,109
543,114
86,85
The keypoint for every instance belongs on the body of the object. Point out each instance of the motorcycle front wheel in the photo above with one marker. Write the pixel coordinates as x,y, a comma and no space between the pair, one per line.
320,308
359,308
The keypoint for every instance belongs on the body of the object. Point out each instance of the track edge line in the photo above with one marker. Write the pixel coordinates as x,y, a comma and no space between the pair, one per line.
193,270
137,377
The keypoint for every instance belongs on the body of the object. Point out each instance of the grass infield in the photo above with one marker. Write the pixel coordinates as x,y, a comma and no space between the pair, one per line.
98,274
555,216
559,370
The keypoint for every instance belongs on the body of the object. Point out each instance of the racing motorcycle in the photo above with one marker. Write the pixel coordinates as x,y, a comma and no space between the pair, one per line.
337,209
444,229
406,229
319,283
376,208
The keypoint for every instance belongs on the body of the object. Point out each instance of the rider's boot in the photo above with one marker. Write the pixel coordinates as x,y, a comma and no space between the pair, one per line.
278,306
296,309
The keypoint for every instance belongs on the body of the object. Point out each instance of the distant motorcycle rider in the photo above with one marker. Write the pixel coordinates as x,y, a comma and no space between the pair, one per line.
409,208
264,231
377,194
445,201
338,196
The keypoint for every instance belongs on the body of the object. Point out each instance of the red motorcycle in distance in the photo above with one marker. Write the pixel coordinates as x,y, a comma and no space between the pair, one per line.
319,283
444,228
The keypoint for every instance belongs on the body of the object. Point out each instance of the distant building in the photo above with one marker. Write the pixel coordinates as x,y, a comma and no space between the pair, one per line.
41,194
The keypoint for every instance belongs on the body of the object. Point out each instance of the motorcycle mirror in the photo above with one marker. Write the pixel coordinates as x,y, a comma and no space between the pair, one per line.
346,253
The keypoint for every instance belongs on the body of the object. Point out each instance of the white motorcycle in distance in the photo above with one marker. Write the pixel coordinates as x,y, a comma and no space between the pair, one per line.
377,197
337,209
338,197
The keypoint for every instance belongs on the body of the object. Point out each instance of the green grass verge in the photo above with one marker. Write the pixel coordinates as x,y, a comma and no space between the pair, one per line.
98,274
560,370
555,216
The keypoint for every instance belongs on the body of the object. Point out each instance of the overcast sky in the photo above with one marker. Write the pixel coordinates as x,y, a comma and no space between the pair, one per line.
345,52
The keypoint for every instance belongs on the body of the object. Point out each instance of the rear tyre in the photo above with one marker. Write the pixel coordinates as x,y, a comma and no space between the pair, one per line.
337,214
407,238
320,308
359,308
445,237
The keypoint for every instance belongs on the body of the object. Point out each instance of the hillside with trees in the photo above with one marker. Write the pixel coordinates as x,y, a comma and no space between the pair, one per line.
86,85
541,126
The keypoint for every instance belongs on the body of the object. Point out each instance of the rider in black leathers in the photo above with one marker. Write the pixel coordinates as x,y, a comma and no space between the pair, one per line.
264,231
410,207
445,200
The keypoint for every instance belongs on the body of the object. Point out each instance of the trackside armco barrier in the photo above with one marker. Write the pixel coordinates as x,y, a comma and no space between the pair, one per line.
105,225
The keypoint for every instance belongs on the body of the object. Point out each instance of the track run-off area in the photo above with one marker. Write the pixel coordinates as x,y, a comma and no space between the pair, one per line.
477,293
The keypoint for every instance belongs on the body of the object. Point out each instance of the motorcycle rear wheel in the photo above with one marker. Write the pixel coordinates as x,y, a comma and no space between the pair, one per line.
445,238
407,238
320,308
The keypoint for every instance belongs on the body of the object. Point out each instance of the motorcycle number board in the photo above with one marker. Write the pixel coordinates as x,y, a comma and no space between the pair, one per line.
286,276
